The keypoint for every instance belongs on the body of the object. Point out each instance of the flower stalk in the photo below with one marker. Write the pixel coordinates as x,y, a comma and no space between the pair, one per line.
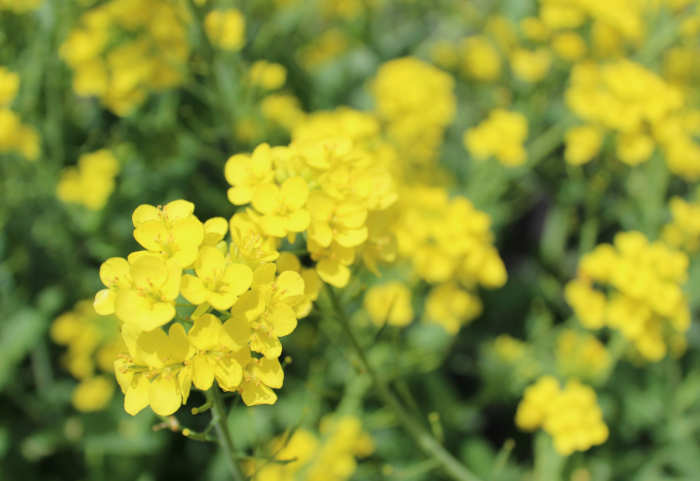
219,420
423,439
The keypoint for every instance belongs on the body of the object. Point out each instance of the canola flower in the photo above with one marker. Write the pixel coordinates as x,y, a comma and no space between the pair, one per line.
389,303
331,455
122,50
91,182
225,28
683,232
613,98
570,415
239,348
415,102
642,297
93,343
15,136
501,135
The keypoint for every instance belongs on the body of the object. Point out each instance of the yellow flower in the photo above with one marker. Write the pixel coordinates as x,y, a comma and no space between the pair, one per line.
260,376
633,148
582,356
530,65
268,75
582,144
172,230
154,373
269,308
149,302
389,303
9,85
246,173
645,300
225,28
93,394
218,282
91,182
480,58
501,135
570,415
217,353
249,245
451,307
569,46
282,208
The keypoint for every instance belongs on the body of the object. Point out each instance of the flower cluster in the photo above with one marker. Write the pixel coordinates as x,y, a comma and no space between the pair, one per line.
93,343
305,457
257,301
389,303
683,232
327,188
582,356
643,296
570,415
416,103
225,29
613,97
501,136
91,182
448,243
15,136
123,49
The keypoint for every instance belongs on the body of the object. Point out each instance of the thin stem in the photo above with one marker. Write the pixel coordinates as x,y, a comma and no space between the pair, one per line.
219,420
425,441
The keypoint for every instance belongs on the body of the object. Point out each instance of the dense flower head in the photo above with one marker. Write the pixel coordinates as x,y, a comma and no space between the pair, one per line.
530,65
641,293
322,187
15,136
613,97
329,456
683,232
480,58
91,182
267,75
240,303
389,303
416,103
570,415
123,49
225,28
93,344
501,135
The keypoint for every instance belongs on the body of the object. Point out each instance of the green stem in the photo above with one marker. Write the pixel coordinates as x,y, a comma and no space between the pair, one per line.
219,419
425,441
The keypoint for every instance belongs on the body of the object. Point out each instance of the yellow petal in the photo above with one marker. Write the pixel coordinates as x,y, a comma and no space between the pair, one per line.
115,272
136,397
192,289
238,333
269,371
238,278
289,284
266,199
104,302
228,373
148,272
283,319
164,395
205,332
178,209
151,234
214,230
332,272
257,393
145,213
203,372
266,344
298,221
294,192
